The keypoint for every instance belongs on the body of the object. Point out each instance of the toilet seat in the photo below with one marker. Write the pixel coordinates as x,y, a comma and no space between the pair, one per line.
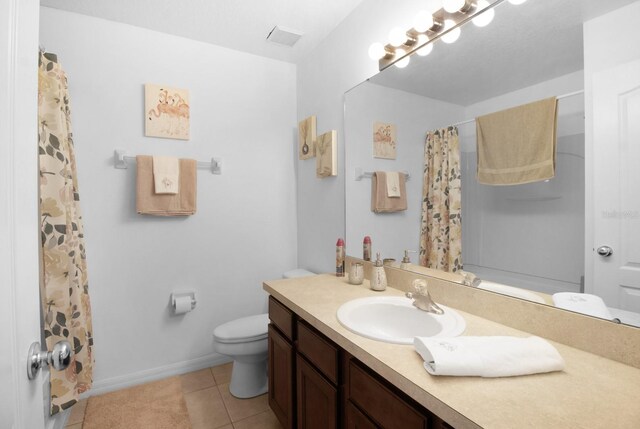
243,330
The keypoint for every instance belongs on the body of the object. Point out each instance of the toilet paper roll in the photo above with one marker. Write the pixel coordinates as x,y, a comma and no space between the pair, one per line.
182,304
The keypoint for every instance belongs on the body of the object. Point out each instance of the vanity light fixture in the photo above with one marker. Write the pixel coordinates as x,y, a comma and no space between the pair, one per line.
432,24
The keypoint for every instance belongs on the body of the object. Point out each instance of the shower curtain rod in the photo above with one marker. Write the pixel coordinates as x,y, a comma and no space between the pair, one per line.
559,97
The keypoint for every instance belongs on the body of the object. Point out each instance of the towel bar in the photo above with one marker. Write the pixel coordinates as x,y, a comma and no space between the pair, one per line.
121,159
359,174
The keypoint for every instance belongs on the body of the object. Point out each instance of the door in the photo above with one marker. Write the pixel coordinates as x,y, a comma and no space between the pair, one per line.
616,181
21,401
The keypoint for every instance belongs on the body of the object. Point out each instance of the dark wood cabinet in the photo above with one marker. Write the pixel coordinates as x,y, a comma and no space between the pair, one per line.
281,381
357,420
314,384
317,399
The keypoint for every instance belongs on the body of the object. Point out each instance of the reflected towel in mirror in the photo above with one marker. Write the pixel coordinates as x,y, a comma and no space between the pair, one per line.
381,202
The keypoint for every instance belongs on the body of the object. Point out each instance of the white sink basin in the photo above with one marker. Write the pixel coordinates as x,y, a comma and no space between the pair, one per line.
393,319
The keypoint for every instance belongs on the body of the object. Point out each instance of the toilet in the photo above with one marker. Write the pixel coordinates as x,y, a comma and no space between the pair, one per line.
245,341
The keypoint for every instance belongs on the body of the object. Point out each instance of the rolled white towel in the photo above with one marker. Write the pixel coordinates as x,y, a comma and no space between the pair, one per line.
488,356
585,303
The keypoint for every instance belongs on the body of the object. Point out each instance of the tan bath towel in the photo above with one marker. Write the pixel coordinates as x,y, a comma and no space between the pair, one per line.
517,145
380,202
181,204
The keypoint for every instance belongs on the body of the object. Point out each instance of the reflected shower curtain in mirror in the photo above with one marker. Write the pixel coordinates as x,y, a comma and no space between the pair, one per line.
441,225
64,290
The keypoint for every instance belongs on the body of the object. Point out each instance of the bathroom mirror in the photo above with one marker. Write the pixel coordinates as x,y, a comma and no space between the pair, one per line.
527,241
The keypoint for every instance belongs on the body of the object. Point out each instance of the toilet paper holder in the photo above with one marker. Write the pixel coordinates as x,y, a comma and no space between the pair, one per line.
177,295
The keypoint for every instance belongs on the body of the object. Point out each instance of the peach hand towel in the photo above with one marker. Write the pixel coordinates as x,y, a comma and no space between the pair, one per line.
517,145
166,175
181,204
380,202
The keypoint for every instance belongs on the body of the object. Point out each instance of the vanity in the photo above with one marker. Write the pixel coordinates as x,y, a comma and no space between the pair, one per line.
322,375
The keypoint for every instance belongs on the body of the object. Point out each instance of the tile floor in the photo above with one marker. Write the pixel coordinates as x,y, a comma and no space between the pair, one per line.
210,404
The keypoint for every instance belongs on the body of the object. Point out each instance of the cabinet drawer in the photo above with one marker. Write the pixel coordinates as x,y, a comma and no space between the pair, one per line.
281,317
386,408
321,352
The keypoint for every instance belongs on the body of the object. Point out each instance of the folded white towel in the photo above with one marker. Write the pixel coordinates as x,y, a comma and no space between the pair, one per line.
488,356
393,184
166,174
585,303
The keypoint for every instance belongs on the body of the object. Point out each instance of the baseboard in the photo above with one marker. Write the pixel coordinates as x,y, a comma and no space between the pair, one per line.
148,375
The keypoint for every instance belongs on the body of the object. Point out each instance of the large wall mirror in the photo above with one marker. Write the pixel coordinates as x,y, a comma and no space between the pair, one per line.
533,240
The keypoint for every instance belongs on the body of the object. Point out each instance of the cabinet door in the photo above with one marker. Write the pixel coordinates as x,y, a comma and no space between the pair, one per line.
317,398
281,361
357,420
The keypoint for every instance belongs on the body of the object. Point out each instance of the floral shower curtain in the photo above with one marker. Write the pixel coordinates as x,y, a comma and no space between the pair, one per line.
441,225
64,285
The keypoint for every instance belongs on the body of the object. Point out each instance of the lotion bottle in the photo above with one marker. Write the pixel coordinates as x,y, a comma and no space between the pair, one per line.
378,277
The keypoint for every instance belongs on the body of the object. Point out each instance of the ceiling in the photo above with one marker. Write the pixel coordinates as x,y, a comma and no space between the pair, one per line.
524,45
242,25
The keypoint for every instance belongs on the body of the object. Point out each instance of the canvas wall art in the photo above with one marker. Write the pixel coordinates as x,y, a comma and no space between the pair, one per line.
166,112
327,154
384,140
307,138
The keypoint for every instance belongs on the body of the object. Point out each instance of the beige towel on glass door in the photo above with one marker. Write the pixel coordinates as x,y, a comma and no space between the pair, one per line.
166,175
517,145
181,204
380,202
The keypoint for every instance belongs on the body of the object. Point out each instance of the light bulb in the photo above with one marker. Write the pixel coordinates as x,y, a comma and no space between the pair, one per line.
452,6
404,61
517,2
425,50
423,21
433,5
376,51
397,36
486,16
453,35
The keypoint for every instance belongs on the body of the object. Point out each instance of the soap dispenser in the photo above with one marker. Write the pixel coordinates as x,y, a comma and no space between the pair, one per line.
406,261
378,277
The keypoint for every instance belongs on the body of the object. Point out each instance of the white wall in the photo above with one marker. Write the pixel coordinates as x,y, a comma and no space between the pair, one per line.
339,63
242,110
413,115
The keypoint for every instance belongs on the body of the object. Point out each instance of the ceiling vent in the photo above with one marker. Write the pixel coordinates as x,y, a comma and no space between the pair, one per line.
284,36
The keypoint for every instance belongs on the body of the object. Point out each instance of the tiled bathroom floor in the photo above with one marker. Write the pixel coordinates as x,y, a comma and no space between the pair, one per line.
210,404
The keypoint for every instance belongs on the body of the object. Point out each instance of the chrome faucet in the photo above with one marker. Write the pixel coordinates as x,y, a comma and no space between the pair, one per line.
421,297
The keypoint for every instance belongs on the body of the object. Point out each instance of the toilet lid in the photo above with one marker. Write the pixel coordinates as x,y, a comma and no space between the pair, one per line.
252,328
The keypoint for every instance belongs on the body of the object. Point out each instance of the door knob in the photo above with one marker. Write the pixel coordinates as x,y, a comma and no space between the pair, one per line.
59,358
605,251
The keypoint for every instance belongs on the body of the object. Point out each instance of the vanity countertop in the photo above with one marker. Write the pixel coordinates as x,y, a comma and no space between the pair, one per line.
592,392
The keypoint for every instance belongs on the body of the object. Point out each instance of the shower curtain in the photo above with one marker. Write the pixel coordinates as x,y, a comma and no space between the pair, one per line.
441,224
64,291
